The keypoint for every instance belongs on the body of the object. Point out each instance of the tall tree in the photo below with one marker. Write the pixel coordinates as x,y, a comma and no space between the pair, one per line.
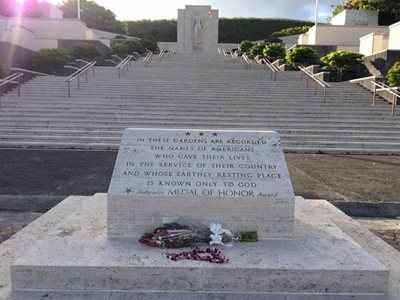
94,15
30,8
389,10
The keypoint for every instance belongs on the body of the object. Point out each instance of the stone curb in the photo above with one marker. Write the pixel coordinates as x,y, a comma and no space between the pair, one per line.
369,209
29,203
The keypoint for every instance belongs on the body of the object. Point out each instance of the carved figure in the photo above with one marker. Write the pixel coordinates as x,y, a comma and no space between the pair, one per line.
198,32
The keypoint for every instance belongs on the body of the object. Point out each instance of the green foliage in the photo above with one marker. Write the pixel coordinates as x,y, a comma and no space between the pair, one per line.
84,51
239,29
149,43
135,46
275,51
272,40
393,76
302,56
256,50
245,46
51,61
120,49
389,10
2,71
162,30
342,62
230,30
291,31
29,9
94,15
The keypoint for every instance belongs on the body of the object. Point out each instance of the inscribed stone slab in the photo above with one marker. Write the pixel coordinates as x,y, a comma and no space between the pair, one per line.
238,177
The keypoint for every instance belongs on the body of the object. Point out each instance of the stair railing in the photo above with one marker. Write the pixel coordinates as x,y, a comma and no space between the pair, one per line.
82,71
147,59
161,55
270,67
13,79
381,87
318,81
247,61
124,65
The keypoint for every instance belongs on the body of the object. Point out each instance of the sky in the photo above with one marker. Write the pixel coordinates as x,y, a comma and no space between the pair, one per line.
167,9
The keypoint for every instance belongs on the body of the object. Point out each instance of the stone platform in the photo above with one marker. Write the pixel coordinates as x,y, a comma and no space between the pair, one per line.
65,255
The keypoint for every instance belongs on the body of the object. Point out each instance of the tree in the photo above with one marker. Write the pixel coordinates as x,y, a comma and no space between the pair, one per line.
51,61
302,56
245,46
84,51
275,51
393,77
256,50
389,10
342,62
30,8
94,15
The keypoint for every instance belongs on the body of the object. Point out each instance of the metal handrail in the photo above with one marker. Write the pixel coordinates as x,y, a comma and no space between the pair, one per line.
233,57
77,74
28,71
124,65
318,81
161,55
273,69
147,59
247,60
11,79
385,87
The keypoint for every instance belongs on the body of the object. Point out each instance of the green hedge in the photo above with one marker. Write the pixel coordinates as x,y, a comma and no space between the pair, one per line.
51,61
393,77
84,51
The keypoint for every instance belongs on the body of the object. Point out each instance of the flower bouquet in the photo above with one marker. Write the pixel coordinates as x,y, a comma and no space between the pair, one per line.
181,234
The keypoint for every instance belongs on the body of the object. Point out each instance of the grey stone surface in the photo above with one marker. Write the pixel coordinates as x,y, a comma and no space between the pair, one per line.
237,178
314,257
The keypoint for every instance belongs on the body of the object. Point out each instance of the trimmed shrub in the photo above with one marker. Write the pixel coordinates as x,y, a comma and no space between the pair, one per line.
150,43
275,51
135,46
343,63
245,46
51,61
393,76
84,51
120,49
291,31
256,50
302,56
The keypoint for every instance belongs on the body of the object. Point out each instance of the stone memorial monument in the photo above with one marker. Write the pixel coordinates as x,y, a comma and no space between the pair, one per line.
197,29
236,178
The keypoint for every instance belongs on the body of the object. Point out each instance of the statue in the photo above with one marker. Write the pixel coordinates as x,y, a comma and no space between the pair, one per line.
198,33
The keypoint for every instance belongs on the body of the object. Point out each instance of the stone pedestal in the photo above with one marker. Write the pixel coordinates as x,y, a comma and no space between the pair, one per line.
76,260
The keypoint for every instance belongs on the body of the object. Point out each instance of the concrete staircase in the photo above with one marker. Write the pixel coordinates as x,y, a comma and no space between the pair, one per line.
189,91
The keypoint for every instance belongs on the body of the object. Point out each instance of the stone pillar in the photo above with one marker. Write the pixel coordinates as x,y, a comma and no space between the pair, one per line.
197,29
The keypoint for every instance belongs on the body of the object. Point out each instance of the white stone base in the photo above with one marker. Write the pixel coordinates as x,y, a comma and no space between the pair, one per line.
73,259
